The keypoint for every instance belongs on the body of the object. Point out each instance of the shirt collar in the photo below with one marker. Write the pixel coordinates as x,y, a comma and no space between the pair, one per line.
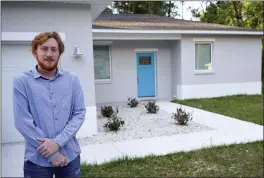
37,74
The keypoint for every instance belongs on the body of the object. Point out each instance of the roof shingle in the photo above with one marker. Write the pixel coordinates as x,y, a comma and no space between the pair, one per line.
154,22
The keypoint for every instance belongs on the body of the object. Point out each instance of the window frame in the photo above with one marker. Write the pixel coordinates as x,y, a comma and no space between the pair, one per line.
110,62
204,41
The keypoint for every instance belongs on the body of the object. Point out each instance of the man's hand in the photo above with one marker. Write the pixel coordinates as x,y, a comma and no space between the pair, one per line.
47,148
59,160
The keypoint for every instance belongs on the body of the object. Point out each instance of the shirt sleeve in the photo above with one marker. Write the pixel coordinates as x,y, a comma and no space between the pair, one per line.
77,118
24,122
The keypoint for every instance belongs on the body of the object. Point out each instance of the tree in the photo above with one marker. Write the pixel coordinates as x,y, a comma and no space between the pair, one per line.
171,9
107,11
237,13
161,8
254,14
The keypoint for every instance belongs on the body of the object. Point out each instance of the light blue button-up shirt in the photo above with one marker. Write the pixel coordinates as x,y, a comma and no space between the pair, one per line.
53,109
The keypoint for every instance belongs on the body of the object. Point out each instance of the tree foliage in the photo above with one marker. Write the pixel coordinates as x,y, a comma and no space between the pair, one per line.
161,8
247,14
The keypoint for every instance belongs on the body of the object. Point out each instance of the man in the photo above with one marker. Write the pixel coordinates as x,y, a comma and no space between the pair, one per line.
49,109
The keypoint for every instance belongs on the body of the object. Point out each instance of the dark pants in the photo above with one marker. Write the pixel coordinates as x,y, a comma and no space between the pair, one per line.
72,170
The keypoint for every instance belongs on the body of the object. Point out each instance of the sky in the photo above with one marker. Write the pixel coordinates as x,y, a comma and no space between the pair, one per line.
187,13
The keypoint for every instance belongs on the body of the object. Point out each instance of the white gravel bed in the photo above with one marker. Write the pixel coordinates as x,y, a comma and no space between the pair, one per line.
139,124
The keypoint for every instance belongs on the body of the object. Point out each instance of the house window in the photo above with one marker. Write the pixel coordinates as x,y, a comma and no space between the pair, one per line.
203,56
102,62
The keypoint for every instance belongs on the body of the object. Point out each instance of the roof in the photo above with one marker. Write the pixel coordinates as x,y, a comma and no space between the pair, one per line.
154,22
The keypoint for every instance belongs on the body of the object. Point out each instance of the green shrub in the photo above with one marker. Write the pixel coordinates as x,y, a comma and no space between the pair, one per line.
114,122
181,117
132,102
107,111
152,107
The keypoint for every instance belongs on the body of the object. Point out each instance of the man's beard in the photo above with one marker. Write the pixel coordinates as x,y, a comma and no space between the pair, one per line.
48,64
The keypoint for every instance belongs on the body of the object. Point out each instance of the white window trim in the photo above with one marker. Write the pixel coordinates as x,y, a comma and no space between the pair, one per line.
204,41
146,49
102,43
105,81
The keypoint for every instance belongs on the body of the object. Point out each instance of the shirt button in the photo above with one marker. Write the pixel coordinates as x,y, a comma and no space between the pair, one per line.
56,118
54,106
51,93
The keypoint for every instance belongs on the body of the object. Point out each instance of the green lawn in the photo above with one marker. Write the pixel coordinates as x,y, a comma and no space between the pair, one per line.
244,107
244,160
236,160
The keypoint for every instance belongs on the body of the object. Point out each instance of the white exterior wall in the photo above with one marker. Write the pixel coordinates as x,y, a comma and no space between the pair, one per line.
236,67
124,71
176,69
72,19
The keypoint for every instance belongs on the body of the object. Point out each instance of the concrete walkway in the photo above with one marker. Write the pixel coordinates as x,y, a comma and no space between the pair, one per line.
227,131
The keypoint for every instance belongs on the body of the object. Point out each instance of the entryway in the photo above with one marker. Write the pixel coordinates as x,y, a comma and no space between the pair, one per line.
146,75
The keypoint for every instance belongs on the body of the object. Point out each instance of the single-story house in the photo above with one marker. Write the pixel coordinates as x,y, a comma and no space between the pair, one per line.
129,55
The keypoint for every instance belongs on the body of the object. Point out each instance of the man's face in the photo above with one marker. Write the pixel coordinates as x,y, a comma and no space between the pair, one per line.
48,54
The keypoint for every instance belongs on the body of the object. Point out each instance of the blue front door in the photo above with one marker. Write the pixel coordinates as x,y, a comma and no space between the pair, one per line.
146,74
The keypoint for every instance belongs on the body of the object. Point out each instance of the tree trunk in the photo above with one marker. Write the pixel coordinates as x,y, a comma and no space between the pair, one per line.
238,12
169,9
182,8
